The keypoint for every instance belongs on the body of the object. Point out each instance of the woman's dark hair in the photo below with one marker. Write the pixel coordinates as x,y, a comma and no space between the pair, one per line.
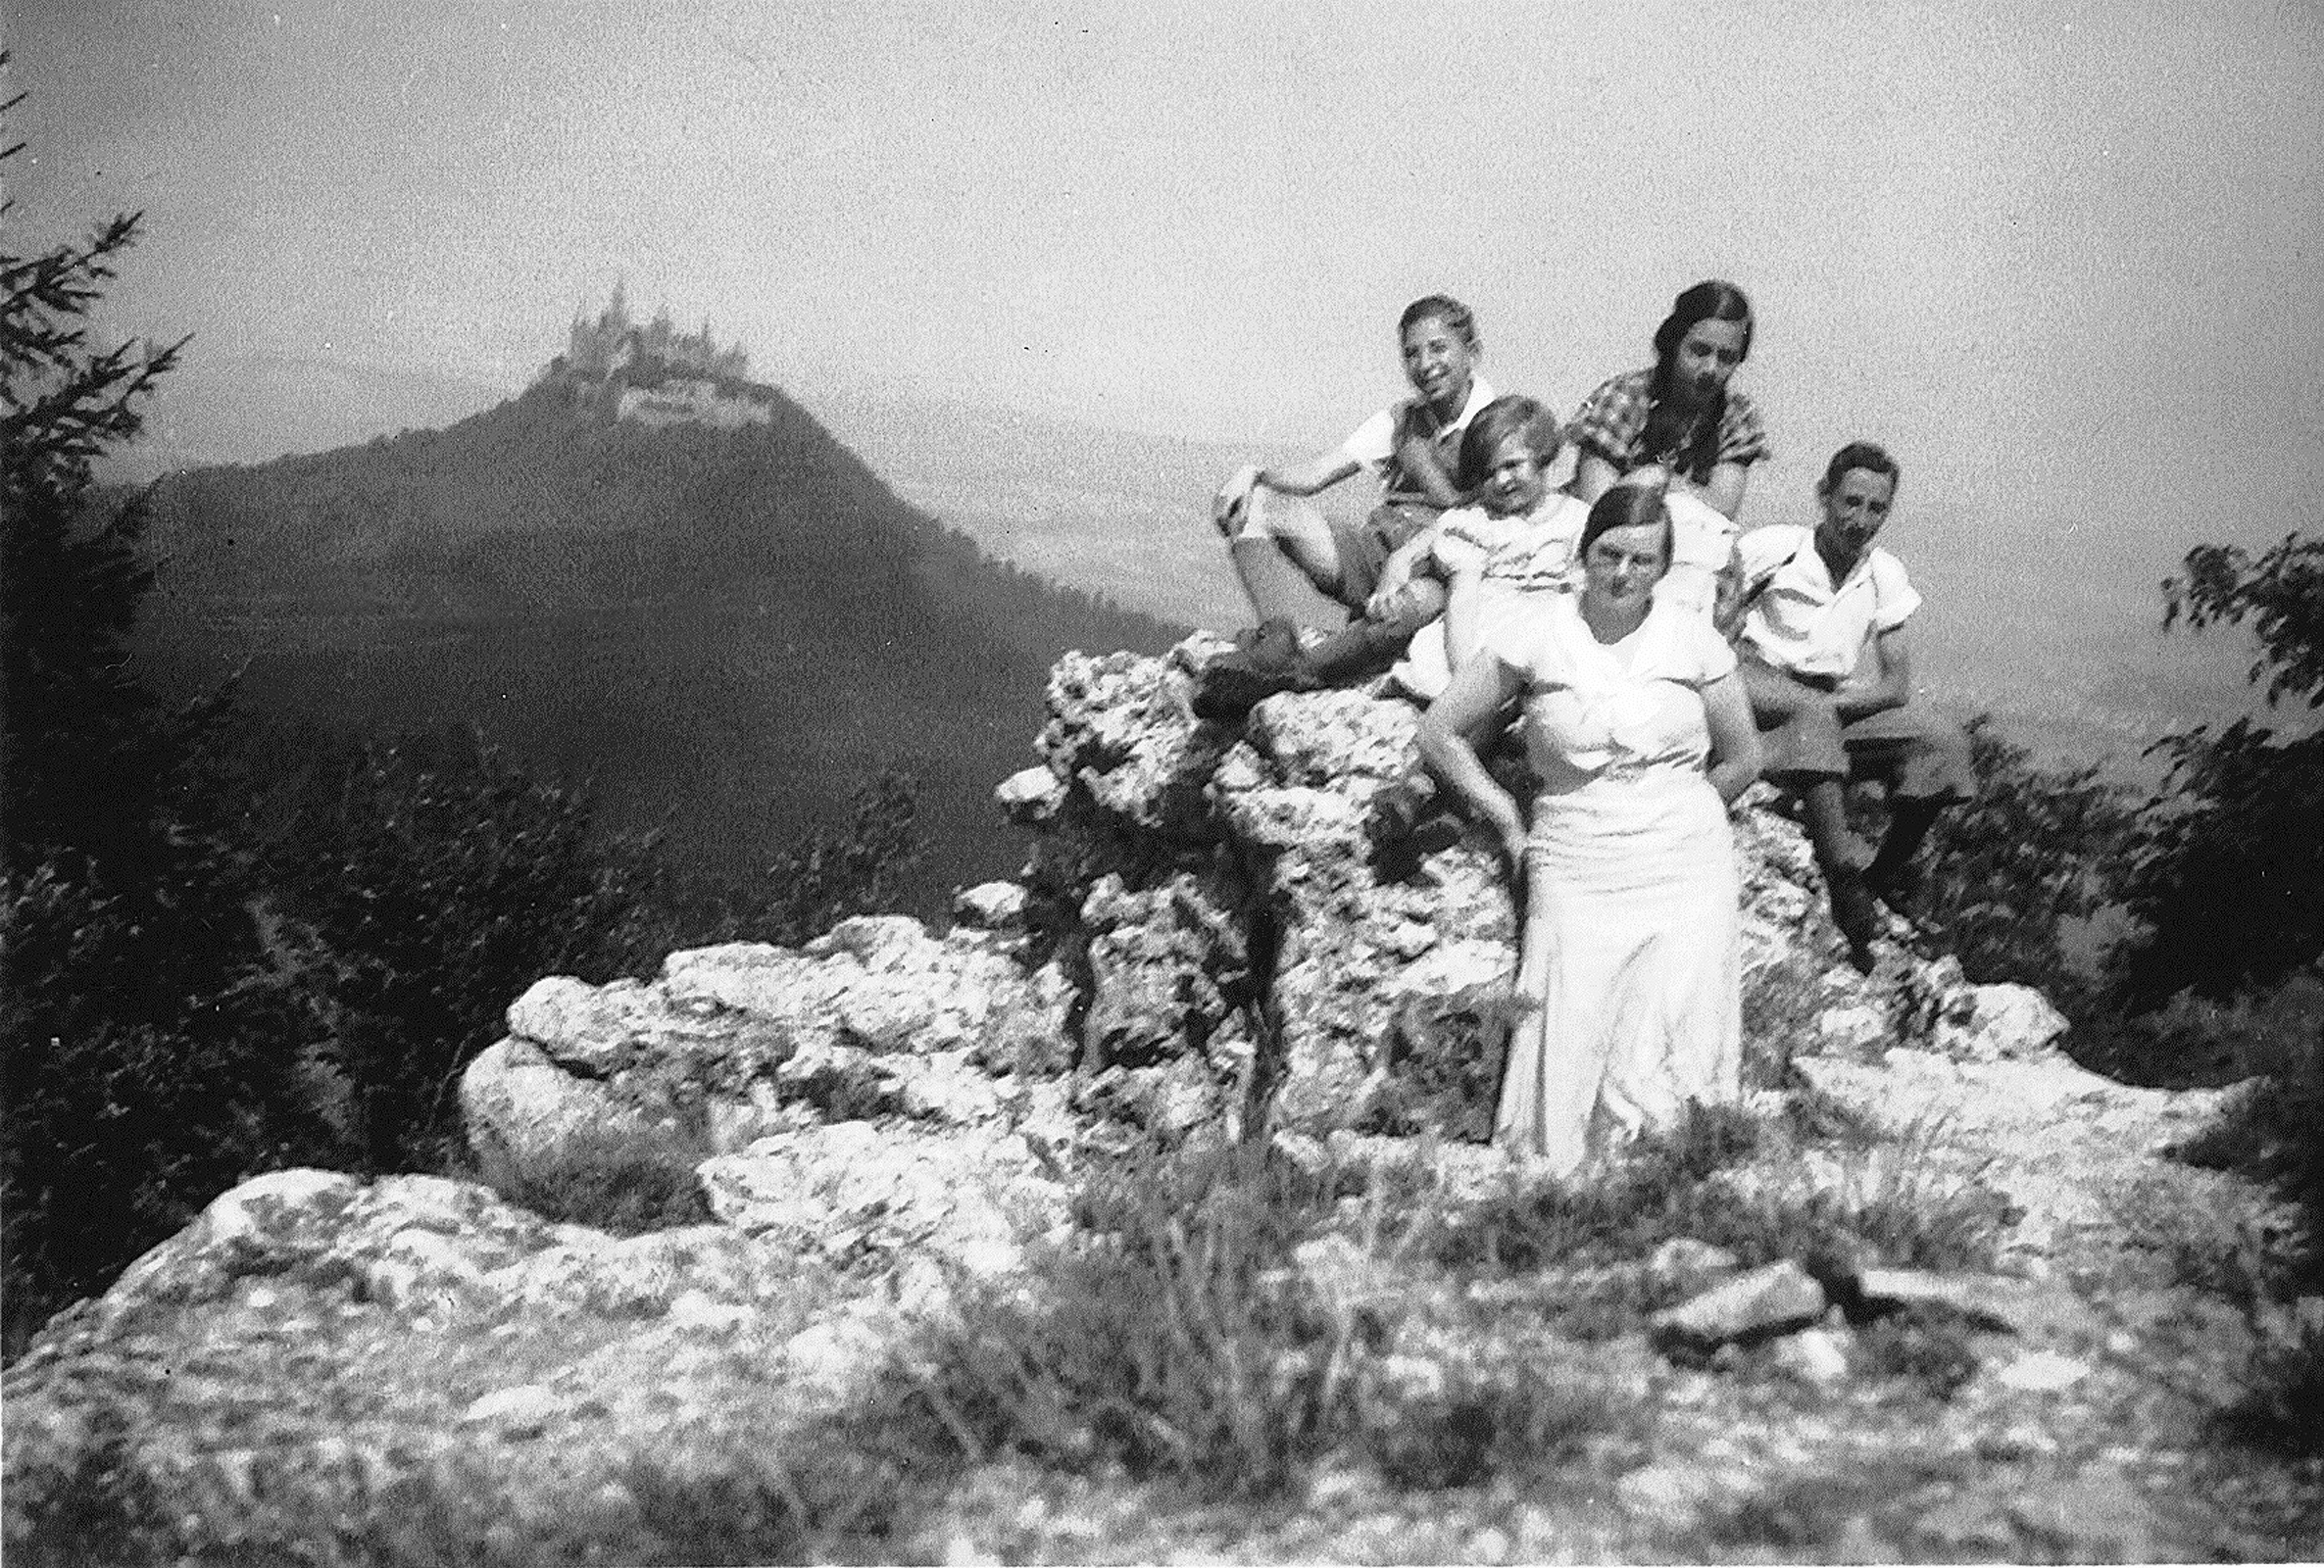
1625,506
1712,300
1863,454
1495,423
1447,310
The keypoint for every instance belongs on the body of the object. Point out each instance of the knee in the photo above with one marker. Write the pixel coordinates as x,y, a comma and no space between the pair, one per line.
1952,762
1420,602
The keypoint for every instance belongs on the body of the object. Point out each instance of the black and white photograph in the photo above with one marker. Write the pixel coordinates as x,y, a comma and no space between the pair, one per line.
1345,781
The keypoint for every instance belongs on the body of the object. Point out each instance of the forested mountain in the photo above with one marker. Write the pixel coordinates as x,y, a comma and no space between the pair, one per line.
725,631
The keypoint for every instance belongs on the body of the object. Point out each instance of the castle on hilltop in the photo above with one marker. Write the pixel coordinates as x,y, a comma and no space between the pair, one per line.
613,341
656,374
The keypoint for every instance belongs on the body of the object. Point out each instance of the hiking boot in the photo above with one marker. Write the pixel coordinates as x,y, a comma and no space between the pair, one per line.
1233,684
1897,886
1854,913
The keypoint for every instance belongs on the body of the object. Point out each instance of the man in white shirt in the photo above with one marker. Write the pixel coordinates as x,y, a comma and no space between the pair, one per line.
1829,672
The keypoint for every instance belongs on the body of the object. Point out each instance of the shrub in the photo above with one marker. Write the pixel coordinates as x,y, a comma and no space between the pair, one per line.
2006,874
1892,1209
616,1179
2281,1401
1655,1193
1178,1338
1171,1338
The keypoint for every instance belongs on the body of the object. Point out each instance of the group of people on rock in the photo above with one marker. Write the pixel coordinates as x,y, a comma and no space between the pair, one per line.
1659,660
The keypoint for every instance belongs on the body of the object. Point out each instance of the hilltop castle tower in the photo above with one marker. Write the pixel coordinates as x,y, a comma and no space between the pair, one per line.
656,374
599,348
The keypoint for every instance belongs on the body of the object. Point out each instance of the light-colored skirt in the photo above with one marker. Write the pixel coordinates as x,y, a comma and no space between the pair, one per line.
1631,952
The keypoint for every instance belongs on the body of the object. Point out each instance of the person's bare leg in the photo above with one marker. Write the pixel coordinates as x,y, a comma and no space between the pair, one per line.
1365,645
1283,529
1806,726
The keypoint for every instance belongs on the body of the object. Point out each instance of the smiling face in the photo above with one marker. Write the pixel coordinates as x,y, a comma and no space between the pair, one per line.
1513,484
1855,507
1622,565
1705,358
1439,364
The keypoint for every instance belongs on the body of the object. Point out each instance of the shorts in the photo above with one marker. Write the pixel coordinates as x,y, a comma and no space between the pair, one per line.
1918,753
1365,547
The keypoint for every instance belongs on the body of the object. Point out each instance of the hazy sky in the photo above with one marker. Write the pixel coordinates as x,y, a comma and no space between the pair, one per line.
2067,258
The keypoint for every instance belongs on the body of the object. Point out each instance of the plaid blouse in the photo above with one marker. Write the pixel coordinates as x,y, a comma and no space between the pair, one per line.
1613,419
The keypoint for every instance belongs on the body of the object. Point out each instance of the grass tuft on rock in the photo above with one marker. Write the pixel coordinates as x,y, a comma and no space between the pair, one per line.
619,1178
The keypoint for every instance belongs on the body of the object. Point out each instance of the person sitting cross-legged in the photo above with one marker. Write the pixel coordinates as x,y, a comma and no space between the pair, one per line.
1412,446
1826,664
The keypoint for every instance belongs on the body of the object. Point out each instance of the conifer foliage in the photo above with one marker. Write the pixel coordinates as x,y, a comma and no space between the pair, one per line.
133,990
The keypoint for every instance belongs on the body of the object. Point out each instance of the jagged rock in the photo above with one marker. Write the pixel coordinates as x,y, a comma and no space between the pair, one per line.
991,906
859,1191
1203,938
1813,1356
2062,1143
1683,1263
524,1411
2041,1372
1756,1305
872,1017
2003,1021
1389,998
1166,968
1983,1300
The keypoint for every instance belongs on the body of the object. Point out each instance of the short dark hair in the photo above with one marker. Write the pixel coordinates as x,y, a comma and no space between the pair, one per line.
1866,455
1625,506
1446,309
1495,423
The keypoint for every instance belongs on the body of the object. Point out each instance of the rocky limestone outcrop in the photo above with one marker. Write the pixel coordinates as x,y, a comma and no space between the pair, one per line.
1206,885
1205,943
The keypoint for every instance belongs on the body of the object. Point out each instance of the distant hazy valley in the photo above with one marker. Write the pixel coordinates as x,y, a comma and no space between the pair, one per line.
667,614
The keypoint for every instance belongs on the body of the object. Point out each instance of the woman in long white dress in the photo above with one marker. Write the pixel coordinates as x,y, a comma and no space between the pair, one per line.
1638,730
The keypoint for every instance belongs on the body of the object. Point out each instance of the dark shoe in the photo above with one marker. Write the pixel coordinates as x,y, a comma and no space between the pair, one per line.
1233,684
1897,886
1272,644
1855,914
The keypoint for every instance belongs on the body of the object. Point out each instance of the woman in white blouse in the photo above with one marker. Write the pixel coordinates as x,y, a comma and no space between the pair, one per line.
1638,730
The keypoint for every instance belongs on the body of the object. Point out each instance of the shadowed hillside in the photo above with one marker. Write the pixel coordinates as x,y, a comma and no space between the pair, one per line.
727,631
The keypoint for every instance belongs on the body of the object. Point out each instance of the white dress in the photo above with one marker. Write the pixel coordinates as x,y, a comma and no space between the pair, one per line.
1631,924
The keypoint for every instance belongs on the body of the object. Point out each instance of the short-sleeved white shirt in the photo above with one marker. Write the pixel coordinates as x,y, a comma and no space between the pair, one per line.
1805,622
1374,440
1530,552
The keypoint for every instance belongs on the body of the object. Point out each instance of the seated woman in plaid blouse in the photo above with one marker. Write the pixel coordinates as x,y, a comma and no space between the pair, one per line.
1676,422
1677,425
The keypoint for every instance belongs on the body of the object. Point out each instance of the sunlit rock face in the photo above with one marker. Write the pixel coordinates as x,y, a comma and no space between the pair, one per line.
1206,942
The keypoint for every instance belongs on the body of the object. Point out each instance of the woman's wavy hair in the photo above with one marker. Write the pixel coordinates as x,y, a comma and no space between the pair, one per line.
1712,300
1495,423
1866,455
1448,309
1625,506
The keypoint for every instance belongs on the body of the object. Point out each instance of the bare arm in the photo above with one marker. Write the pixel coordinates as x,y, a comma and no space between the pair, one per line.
1473,698
1893,689
1592,476
1305,479
1722,492
1735,755
1396,571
